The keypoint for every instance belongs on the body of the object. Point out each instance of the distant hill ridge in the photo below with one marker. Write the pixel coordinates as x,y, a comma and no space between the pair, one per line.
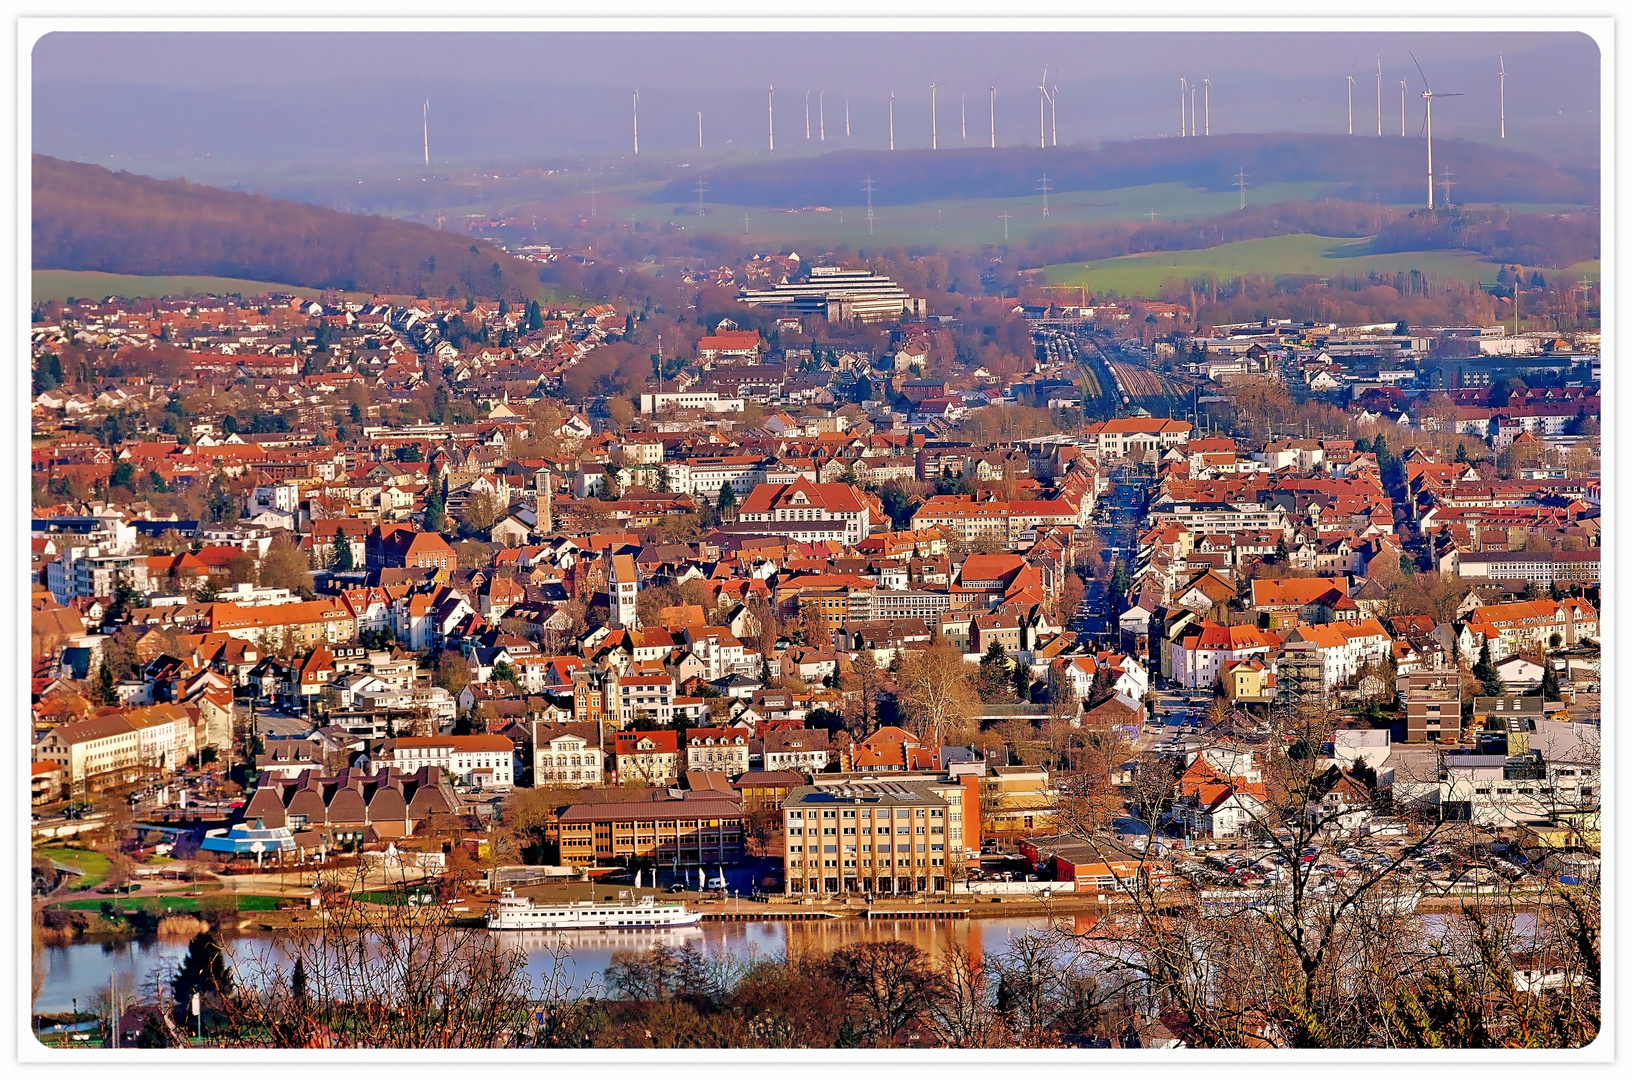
1366,168
86,217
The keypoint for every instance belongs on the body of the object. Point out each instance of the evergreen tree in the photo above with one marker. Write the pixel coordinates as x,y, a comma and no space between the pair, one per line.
728,497
105,693
994,682
1022,682
204,969
297,980
1549,682
340,559
1282,554
1490,683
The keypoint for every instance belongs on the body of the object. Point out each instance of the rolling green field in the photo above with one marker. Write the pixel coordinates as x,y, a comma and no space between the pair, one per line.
1143,275
61,284
950,223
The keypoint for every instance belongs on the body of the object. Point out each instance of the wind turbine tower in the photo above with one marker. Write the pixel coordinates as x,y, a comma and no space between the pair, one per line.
427,131
963,111
992,116
1402,108
1428,96
770,116
821,114
1379,97
699,131
1192,109
1351,103
1502,63
807,115
847,112
934,141
1181,105
1206,105
892,119
637,122
1042,100
1053,125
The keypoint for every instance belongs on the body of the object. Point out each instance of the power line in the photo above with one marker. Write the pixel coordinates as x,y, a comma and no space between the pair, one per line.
1044,188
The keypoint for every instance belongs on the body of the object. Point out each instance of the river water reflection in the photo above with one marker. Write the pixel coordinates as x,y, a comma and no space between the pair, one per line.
80,970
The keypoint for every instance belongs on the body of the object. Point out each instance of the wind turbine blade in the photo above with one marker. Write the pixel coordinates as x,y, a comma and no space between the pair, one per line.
1413,57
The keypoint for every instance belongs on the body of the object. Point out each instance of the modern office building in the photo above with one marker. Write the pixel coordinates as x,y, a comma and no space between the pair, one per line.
839,295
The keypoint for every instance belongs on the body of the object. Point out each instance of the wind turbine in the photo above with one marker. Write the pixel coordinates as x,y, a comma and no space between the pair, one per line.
1402,108
1428,96
1351,103
770,115
847,112
428,131
1206,105
1502,63
637,123
892,119
1042,99
807,115
992,118
1192,109
963,111
1181,105
699,131
1053,125
821,114
1379,97
934,142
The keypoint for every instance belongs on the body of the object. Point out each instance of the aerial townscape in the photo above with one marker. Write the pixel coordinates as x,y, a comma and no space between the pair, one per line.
623,634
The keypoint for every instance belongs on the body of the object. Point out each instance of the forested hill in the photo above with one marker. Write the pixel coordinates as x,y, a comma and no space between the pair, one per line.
1390,170
88,218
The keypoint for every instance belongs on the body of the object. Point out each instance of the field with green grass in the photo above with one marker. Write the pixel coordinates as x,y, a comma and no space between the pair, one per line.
61,284
94,863
953,223
167,903
1143,275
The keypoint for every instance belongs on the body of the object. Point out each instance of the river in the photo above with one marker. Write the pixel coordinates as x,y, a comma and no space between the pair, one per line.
81,969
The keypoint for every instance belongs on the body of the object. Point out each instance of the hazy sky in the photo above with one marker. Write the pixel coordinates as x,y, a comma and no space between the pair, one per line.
717,60
238,107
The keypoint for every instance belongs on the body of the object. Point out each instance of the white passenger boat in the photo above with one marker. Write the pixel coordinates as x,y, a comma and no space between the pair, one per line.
512,912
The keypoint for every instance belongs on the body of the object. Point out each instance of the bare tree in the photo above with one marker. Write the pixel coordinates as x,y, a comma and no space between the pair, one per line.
936,691
394,975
